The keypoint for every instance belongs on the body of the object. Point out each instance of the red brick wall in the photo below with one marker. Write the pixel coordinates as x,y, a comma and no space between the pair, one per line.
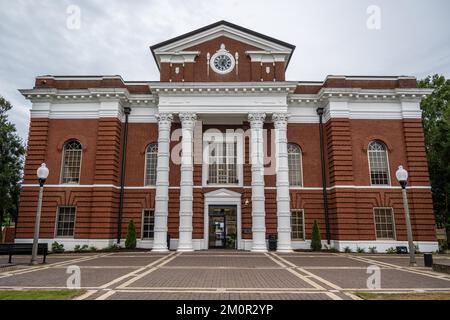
351,210
247,71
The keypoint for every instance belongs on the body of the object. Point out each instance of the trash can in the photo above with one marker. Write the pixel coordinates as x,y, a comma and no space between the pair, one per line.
168,241
272,242
428,260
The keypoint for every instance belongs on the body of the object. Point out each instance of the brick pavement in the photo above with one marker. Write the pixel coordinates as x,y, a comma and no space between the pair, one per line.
224,275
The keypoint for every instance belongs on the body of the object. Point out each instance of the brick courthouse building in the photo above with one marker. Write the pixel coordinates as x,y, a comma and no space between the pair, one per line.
223,152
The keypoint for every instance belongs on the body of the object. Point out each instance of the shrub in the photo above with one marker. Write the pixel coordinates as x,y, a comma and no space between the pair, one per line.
416,248
130,242
316,242
113,247
57,247
360,250
373,249
79,248
391,250
347,250
92,248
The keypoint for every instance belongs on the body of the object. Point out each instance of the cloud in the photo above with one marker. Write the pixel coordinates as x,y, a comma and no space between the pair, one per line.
331,38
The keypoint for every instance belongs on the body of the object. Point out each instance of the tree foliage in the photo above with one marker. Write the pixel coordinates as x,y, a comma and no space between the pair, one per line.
316,241
436,122
130,242
11,164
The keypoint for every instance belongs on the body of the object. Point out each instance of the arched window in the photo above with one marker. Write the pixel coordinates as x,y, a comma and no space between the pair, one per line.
378,163
71,163
295,165
151,160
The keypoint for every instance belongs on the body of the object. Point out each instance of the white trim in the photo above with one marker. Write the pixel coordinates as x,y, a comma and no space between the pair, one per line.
222,52
222,197
301,165
224,186
240,145
142,225
61,173
70,243
303,225
394,226
386,150
55,227
382,245
219,31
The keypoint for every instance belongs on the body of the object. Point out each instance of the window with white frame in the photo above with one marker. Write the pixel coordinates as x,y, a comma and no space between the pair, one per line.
222,165
151,161
378,163
384,223
65,222
297,227
71,163
148,224
295,165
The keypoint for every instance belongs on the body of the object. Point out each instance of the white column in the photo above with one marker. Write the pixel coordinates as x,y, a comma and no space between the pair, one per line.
258,199
186,182
162,183
282,170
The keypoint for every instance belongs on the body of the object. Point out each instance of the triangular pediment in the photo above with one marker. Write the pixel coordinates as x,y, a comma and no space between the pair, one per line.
222,193
221,29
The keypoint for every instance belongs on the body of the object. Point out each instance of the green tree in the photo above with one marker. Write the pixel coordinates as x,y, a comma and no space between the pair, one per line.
11,165
436,123
130,242
316,241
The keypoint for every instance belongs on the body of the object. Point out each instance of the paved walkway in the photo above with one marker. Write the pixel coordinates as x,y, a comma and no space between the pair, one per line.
224,275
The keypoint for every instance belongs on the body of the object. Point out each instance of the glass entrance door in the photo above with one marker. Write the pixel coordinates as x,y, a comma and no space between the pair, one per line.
222,227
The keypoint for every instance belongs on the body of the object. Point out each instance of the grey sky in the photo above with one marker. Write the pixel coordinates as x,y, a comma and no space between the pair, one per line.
331,38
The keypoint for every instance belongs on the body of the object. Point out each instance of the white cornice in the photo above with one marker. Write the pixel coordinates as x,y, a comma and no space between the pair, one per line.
268,56
163,88
177,56
219,31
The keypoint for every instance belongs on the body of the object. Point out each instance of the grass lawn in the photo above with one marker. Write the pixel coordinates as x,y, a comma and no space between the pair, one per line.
39,294
404,296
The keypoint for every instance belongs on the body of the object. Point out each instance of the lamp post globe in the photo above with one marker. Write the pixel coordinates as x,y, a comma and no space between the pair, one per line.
402,177
42,174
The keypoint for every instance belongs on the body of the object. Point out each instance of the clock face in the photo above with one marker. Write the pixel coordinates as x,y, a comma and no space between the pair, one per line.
222,62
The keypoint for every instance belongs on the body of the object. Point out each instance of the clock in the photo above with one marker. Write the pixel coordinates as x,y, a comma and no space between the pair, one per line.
222,61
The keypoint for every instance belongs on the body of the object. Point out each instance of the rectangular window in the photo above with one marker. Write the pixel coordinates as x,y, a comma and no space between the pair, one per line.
65,222
297,225
384,223
148,224
222,166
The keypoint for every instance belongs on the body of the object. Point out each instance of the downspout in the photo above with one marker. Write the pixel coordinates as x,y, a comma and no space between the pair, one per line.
324,176
127,111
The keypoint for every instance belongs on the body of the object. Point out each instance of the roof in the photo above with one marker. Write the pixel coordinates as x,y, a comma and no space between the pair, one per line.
222,23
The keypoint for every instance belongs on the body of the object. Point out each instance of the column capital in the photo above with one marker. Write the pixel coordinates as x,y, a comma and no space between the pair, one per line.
164,117
256,119
280,119
187,118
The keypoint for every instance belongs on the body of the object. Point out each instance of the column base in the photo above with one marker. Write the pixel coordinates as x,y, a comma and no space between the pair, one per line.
160,250
260,248
185,248
286,250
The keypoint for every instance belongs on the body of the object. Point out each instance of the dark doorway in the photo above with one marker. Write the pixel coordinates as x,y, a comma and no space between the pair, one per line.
222,227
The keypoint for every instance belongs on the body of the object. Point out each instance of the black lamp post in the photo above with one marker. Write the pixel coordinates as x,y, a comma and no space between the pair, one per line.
402,177
42,174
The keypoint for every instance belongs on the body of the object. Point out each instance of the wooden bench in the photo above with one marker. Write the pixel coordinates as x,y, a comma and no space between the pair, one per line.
22,249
